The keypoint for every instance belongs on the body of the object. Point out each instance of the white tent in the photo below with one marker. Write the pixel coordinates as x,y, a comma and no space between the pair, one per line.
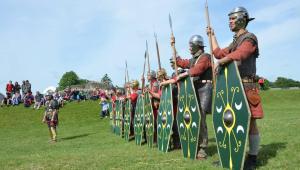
50,89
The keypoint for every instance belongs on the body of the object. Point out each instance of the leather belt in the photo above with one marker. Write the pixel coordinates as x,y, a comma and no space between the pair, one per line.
205,81
247,80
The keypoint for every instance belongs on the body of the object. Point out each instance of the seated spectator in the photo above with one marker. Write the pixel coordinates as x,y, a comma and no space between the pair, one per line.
94,95
82,95
16,98
37,100
8,98
6,102
57,96
75,95
28,99
66,96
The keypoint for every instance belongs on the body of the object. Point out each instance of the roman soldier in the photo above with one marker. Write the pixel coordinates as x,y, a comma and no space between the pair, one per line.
164,80
152,89
51,116
244,50
133,96
200,69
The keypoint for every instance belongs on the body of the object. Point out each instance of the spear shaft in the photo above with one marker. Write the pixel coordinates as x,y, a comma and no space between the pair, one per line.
210,42
157,51
148,57
143,80
173,45
127,76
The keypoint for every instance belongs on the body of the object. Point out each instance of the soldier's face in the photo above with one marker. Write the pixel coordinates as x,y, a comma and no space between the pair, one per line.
237,22
148,77
194,48
232,21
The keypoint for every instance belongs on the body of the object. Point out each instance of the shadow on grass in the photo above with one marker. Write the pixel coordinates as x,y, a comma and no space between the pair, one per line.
212,150
211,140
76,136
269,151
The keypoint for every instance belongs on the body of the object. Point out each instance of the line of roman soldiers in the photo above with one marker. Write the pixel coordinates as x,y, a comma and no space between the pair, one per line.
243,49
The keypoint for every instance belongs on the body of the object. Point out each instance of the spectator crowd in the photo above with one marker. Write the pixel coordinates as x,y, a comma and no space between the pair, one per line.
22,94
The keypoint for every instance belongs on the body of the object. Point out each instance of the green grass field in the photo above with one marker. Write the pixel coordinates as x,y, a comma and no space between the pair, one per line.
86,142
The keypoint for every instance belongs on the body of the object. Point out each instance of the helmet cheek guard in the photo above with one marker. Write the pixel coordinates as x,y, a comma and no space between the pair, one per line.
241,17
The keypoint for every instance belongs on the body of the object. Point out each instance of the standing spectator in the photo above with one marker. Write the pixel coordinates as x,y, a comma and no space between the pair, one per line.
23,87
17,87
9,92
28,86
261,83
104,107
9,88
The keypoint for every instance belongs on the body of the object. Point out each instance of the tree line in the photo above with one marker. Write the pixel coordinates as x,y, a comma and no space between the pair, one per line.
71,78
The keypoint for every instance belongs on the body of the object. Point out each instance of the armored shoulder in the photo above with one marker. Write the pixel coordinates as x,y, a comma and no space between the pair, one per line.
54,104
250,36
206,55
156,84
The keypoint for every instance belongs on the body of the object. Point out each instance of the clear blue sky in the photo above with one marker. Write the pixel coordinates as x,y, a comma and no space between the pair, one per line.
42,39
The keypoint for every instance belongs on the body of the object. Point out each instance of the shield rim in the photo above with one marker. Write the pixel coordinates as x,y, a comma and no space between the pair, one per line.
169,138
152,117
192,83
143,122
247,106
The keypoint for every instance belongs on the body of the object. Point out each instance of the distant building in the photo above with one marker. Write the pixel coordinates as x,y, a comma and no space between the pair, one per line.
90,85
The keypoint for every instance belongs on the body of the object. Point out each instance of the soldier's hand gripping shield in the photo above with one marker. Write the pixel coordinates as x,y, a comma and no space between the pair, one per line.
231,117
165,119
188,118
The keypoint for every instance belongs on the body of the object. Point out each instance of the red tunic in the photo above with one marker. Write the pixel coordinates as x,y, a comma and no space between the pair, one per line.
241,53
9,88
198,68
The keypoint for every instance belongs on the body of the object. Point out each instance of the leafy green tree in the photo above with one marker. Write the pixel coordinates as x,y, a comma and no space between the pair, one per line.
68,79
83,81
106,82
283,82
267,84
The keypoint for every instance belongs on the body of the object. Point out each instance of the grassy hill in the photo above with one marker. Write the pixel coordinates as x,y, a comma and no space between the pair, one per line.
86,142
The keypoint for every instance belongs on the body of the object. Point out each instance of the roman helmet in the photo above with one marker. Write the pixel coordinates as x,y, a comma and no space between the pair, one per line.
161,73
119,91
196,45
152,74
241,18
196,40
135,84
